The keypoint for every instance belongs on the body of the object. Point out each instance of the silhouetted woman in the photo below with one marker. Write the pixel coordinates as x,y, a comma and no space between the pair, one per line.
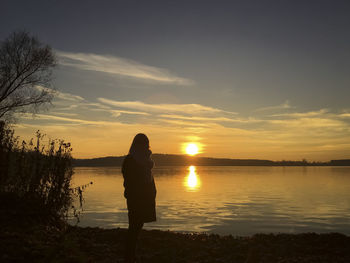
140,190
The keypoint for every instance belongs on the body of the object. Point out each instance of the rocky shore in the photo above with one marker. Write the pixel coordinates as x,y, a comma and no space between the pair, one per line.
39,243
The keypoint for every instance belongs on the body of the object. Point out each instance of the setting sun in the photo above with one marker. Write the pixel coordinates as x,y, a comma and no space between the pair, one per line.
192,149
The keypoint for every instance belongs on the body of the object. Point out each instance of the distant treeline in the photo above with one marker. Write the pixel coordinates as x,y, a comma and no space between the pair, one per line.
180,160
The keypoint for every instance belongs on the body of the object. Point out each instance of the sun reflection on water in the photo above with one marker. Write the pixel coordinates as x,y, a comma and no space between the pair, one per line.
192,181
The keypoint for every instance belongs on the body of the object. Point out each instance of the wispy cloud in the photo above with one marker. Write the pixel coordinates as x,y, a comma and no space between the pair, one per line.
320,112
282,106
303,123
64,114
120,66
68,96
210,119
65,119
61,95
180,123
118,112
345,115
164,108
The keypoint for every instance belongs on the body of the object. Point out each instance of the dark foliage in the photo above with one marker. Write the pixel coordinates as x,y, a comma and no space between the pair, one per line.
35,178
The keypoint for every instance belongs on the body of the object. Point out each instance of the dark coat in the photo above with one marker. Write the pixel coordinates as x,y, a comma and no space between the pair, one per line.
140,190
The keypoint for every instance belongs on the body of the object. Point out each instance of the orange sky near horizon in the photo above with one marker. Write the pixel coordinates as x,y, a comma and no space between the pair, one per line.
314,136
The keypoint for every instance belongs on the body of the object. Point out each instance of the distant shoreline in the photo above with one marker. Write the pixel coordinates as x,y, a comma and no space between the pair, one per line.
184,160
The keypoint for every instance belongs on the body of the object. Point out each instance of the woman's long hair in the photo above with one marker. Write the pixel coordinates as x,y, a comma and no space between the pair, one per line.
140,145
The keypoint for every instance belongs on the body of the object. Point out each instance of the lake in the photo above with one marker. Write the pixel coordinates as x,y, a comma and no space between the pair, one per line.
237,200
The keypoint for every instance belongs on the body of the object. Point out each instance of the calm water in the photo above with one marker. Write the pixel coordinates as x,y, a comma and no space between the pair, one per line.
228,200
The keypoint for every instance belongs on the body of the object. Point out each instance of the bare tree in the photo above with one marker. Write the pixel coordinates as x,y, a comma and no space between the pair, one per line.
26,67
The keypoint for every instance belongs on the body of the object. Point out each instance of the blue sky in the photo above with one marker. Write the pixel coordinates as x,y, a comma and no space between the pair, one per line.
242,79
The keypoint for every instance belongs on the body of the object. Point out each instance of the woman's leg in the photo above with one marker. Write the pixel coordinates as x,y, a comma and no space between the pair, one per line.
134,230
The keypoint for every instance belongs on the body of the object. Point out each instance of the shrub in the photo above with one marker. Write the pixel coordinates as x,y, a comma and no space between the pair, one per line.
36,176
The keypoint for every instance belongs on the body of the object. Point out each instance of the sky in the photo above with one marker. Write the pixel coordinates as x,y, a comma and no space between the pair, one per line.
241,79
